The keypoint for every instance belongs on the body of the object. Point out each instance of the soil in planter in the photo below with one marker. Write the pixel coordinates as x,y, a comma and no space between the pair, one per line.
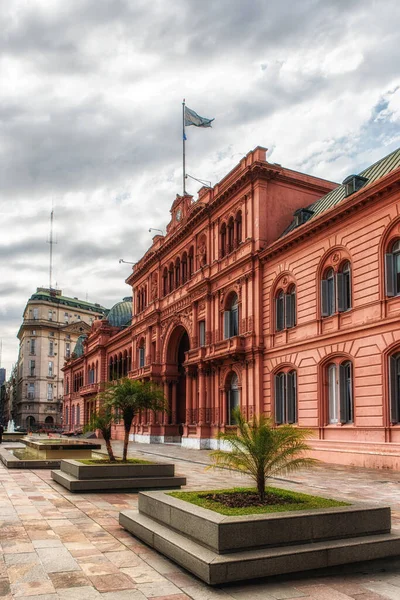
119,461
245,501
249,499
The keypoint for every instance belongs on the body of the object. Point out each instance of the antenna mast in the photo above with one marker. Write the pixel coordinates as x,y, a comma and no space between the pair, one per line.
51,242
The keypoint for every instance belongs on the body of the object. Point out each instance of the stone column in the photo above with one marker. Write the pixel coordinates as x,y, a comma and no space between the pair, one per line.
173,408
202,395
166,396
194,400
189,415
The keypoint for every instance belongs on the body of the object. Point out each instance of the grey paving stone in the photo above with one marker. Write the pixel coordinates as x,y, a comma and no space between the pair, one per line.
56,560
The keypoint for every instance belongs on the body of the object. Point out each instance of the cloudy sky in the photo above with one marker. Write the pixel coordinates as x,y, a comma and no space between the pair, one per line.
90,118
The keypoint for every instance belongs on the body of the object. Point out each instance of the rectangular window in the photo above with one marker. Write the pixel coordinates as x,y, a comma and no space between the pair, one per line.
49,391
51,373
50,314
67,337
31,391
67,350
51,348
33,347
31,368
202,333
333,394
141,357
33,331
35,313
66,317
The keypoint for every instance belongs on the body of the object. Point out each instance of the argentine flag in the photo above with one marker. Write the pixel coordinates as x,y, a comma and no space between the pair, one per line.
192,118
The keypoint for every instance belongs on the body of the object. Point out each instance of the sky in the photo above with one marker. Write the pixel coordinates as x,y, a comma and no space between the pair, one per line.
91,119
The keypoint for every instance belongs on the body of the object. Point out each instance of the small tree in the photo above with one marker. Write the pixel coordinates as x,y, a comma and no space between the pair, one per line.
128,397
103,420
262,450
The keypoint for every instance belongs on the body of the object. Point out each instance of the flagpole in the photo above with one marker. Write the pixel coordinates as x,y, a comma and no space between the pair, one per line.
183,141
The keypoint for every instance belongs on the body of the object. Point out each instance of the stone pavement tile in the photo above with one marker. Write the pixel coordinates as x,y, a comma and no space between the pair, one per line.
69,579
368,596
113,582
124,558
201,591
4,588
173,597
26,572
42,534
20,559
123,595
16,547
321,591
109,545
57,560
84,552
56,543
152,590
262,590
383,588
98,568
79,593
143,574
32,588
181,579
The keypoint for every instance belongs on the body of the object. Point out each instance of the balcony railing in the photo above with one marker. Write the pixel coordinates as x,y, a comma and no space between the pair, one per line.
90,388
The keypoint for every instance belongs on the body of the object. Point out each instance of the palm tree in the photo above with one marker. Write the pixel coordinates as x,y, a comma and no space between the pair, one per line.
262,450
128,397
103,420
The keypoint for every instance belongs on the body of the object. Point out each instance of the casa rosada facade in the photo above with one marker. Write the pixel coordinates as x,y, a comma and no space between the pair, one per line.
274,291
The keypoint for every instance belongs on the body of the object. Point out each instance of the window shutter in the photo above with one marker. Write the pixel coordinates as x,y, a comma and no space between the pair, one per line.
227,323
324,298
341,292
291,397
389,275
278,399
394,392
289,311
344,408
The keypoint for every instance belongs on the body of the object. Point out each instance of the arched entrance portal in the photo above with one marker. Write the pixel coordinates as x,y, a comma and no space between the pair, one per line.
178,345
184,346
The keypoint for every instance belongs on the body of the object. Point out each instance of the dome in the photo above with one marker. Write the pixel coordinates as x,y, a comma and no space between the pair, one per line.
120,314
79,350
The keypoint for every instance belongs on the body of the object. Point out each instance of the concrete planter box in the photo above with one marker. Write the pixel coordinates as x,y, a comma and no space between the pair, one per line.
220,549
11,461
78,477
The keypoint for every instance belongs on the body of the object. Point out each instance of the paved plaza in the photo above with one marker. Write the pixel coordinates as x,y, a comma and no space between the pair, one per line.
58,545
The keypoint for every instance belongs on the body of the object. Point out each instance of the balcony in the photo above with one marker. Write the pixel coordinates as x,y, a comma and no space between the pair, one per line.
151,371
196,355
233,347
90,388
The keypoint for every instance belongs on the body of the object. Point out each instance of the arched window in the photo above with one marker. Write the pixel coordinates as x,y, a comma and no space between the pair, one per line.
171,277
191,261
280,310
231,234
231,318
285,309
67,385
165,281
222,236
142,356
394,374
392,274
78,414
233,398
66,415
286,397
344,287
328,294
238,223
340,392
184,267
111,369
73,415
178,272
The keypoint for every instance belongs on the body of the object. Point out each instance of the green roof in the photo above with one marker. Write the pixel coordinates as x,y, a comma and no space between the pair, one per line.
66,301
79,349
373,173
120,314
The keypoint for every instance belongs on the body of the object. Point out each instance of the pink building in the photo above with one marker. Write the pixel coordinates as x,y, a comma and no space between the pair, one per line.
242,304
